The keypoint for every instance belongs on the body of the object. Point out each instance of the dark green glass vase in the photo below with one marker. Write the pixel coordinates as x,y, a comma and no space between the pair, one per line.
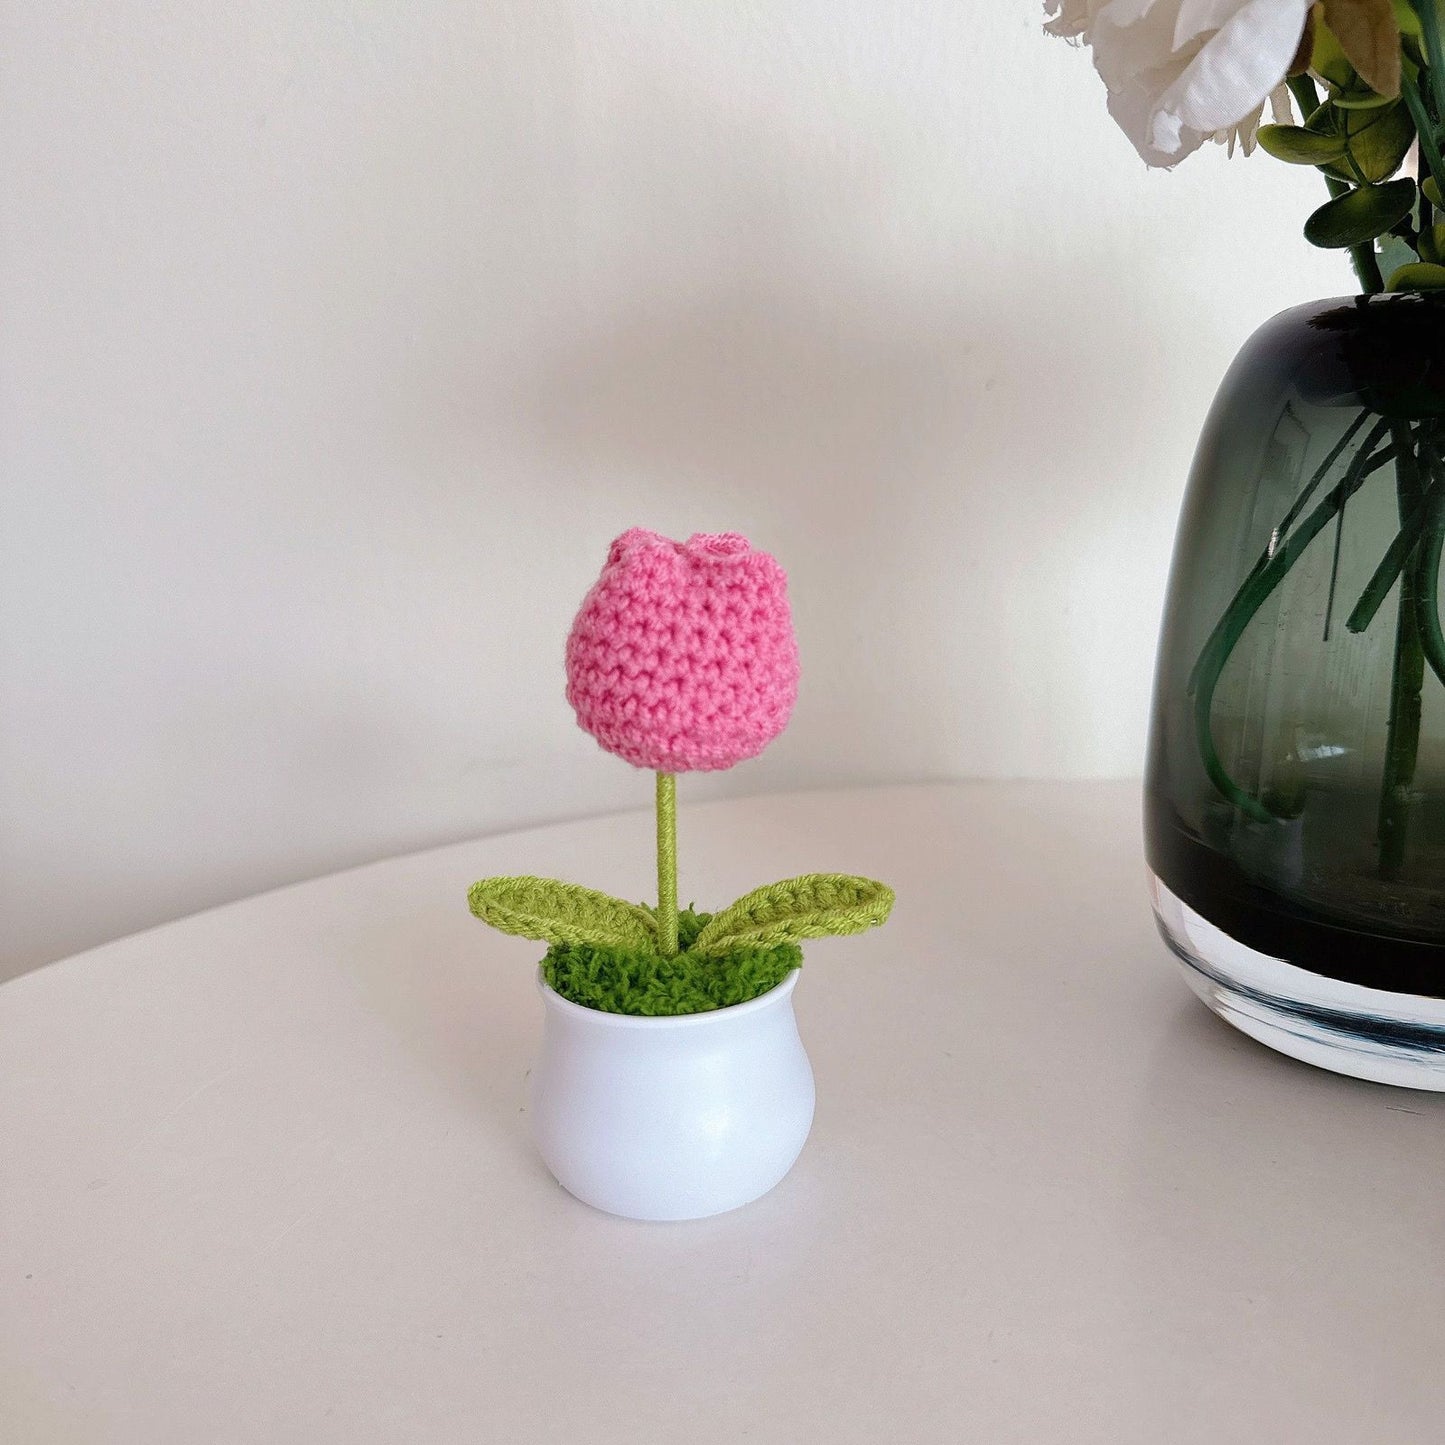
1295,797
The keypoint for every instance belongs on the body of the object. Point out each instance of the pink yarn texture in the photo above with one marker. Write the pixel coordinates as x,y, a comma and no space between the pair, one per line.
682,657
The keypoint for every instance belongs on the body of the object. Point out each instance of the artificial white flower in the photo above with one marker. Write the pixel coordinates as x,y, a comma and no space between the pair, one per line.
1072,18
1179,72
1245,134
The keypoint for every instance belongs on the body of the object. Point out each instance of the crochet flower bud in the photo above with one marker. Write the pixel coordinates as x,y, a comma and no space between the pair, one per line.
682,658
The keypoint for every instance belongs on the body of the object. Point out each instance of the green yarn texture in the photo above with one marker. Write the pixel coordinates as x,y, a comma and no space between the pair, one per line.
632,979
554,912
817,905
612,955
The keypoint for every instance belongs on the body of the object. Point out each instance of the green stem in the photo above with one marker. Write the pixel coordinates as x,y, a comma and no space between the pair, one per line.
1334,570
1429,13
1382,579
1425,129
1362,257
1305,96
1402,735
1427,580
1320,473
1282,531
667,864
1367,268
1247,602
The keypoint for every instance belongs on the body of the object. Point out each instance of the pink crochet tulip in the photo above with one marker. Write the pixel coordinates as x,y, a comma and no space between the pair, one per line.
682,658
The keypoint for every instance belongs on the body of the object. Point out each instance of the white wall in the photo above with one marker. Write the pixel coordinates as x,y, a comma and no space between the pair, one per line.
340,337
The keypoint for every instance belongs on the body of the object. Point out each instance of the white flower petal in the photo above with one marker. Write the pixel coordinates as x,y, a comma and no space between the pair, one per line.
1237,67
1132,107
1123,13
1132,38
1197,17
1071,18
1245,133
1181,71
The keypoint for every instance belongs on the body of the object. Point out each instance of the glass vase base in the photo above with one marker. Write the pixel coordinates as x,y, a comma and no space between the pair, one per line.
1367,1033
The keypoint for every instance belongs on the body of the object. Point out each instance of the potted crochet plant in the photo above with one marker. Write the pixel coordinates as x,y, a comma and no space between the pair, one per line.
672,1082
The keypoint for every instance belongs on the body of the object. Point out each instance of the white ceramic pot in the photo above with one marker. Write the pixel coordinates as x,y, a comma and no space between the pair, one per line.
672,1118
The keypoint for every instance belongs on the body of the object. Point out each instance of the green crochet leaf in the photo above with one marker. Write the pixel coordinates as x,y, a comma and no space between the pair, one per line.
554,912
814,906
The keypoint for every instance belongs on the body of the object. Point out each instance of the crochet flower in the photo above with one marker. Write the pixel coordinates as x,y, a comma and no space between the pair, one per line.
682,657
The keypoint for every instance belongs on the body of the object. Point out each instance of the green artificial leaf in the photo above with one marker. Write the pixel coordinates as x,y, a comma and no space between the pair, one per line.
1431,193
1328,120
1351,145
1421,276
1299,146
1369,37
1378,140
1361,100
1360,215
554,912
814,906
1406,18
1432,245
1384,577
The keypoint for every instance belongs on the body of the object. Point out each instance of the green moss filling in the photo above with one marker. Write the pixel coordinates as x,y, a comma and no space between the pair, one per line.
623,980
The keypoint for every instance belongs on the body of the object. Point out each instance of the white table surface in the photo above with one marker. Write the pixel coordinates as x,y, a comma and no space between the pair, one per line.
265,1173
